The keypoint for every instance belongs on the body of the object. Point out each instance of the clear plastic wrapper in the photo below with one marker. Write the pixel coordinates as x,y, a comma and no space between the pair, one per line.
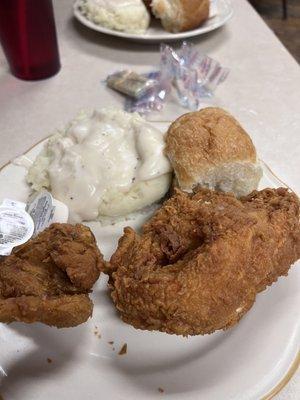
186,74
154,99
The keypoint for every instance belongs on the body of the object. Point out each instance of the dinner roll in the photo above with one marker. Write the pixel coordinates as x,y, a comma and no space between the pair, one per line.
180,15
209,148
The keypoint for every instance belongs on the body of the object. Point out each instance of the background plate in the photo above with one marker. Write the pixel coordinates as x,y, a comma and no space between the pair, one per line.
243,363
223,11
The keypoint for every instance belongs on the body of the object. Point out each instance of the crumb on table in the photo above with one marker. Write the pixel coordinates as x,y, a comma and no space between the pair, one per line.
123,349
97,332
161,390
111,342
49,361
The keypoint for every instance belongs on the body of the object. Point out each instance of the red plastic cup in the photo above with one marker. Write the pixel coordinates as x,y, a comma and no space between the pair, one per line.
28,38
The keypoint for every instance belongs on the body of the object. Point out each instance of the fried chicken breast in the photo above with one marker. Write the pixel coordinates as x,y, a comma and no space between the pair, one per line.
202,258
48,278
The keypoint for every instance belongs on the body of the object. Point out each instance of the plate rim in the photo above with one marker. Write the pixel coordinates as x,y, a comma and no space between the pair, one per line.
150,38
285,379
294,366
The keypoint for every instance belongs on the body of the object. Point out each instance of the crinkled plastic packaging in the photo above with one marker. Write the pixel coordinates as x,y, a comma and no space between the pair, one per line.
188,74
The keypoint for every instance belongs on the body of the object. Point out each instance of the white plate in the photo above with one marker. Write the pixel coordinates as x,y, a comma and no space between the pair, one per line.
243,363
222,12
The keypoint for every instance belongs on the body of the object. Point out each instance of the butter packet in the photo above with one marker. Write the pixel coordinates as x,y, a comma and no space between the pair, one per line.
16,225
19,221
129,83
45,210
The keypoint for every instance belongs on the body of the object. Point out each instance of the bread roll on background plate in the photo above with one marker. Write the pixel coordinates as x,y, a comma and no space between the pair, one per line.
180,15
209,148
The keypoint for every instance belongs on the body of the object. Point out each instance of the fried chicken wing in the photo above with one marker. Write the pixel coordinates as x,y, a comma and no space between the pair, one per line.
202,258
48,278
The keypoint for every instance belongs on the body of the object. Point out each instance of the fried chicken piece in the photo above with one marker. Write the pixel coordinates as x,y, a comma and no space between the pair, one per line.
48,278
202,258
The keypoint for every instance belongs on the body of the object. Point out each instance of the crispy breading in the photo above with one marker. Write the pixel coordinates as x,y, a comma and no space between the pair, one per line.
202,258
48,278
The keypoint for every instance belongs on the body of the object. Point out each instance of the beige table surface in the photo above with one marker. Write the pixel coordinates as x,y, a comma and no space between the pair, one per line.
262,91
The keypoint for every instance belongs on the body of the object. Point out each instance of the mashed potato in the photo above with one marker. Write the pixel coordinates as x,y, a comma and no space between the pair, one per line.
121,15
106,163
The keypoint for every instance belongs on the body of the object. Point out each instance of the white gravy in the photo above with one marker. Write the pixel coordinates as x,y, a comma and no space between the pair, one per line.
102,151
